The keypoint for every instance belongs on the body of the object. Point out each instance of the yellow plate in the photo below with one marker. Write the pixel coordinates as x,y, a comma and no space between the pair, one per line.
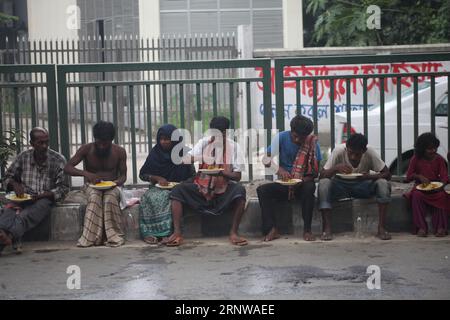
170,186
104,185
349,176
290,182
15,198
429,187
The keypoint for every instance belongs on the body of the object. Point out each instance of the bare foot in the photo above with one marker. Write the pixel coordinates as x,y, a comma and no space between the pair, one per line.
326,234
4,238
421,233
308,236
272,235
237,240
175,240
383,235
441,233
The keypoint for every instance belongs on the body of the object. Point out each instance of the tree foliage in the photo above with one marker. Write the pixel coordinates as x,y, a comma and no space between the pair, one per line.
344,23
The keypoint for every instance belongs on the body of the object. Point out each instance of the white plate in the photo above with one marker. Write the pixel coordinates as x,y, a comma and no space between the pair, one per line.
210,171
102,186
349,176
170,186
434,186
290,182
14,198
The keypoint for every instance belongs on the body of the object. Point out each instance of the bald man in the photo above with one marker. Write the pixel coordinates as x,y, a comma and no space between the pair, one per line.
38,172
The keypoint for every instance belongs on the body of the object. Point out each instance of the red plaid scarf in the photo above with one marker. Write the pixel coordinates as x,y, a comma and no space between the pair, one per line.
306,162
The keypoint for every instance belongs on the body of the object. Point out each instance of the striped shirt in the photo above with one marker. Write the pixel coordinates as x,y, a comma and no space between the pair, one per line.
36,178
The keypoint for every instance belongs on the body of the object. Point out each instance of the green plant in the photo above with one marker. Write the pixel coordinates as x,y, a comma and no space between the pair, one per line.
9,141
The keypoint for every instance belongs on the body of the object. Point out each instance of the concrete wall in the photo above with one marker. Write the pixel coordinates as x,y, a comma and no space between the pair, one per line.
149,22
292,24
47,19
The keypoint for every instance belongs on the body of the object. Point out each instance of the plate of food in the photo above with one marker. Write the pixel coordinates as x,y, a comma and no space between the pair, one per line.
169,186
289,182
447,188
211,170
103,185
349,176
429,187
13,197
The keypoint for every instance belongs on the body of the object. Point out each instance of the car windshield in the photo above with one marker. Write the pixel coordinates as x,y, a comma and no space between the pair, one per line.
405,92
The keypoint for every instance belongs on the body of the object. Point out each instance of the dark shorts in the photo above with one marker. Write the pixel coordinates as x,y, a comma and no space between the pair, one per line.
188,194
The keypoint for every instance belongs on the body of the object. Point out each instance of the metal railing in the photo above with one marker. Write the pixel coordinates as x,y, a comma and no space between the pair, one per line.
282,77
103,111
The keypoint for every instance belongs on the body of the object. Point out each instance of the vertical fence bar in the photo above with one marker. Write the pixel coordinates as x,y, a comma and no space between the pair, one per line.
399,126
348,107
97,103
315,120
198,114
165,111
17,125
232,115
133,133
182,116
332,118
115,113
33,107
365,120
249,126
298,96
416,108
82,118
214,92
149,117
433,105
382,137
63,117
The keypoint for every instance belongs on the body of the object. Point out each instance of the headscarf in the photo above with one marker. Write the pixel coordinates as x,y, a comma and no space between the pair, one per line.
159,162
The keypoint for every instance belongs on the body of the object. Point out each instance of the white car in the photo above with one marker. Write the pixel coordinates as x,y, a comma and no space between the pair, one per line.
407,123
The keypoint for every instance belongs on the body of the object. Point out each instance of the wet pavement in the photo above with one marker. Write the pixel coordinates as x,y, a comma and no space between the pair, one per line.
207,268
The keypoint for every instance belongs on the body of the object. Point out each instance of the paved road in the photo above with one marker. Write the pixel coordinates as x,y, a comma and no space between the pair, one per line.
288,268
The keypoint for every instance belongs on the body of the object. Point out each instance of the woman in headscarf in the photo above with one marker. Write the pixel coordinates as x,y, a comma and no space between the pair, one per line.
155,219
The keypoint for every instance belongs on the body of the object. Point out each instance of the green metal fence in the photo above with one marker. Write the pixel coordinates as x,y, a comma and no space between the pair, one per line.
33,81
76,111
282,77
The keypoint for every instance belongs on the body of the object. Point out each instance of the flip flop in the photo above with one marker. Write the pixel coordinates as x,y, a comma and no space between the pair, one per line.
326,236
178,241
310,238
151,240
384,236
239,242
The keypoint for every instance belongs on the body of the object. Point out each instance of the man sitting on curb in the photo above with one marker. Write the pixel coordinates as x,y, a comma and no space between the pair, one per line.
38,173
299,154
358,159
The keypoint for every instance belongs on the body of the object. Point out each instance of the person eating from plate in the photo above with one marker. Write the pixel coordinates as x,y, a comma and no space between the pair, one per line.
347,174
105,169
215,191
37,178
299,154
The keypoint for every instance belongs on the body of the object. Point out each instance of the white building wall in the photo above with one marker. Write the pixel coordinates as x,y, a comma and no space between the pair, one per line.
292,24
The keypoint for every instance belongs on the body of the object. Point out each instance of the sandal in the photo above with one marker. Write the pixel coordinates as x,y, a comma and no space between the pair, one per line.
326,236
384,236
178,241
239,241
151,240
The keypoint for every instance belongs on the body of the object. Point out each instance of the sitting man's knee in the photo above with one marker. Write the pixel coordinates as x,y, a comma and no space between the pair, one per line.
324,183
383,190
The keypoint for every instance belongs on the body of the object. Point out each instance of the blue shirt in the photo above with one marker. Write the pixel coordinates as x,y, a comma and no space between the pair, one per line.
288,150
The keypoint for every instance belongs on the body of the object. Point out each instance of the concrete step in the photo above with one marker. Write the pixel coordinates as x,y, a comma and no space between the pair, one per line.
66,220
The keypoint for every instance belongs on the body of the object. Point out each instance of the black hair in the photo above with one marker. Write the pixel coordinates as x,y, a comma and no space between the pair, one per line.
35,130
425,141
302,125
357,142
219,123
104,131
